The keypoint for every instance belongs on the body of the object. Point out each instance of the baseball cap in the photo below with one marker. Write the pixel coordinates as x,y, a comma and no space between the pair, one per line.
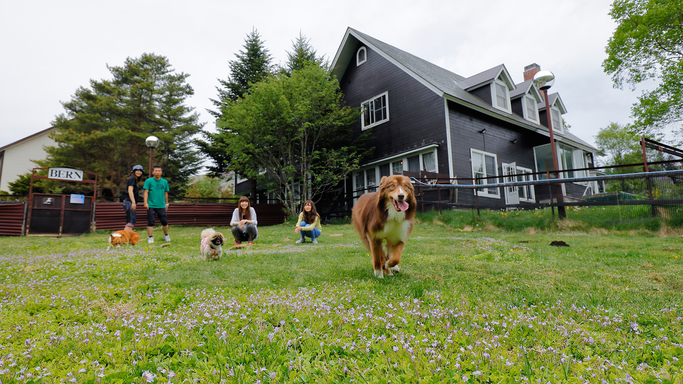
136,167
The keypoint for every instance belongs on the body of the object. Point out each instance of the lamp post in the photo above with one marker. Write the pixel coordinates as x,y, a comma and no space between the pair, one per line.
151,142
544,80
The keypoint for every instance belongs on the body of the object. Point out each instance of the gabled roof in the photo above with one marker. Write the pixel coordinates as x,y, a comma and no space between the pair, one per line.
522,89
441,81
487,77
26,138
554,100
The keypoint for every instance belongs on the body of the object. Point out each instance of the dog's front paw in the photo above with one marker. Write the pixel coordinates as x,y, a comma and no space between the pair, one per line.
395,268
379,273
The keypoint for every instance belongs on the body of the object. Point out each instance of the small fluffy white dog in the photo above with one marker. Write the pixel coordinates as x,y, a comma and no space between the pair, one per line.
212,243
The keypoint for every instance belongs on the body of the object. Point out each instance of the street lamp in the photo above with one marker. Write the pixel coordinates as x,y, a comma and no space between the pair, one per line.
151,142
544,80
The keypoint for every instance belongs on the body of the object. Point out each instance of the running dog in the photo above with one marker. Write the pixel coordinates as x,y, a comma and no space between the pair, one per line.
386,215
212,242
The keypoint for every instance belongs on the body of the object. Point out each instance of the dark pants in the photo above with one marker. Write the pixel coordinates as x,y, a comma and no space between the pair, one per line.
131,215
247,234
159,212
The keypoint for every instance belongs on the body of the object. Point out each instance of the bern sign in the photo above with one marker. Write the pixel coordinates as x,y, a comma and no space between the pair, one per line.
65,174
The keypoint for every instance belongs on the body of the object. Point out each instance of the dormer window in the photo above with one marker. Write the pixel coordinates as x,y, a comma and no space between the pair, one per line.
557,120
530,108
361,56
501,94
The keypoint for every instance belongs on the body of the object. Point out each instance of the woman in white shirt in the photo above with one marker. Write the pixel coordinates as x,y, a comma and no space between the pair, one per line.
244,222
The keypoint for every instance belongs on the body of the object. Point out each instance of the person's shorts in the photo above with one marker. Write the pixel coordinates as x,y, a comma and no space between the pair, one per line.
160,213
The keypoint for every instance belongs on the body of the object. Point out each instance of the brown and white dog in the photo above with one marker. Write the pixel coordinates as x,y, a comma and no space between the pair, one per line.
212,243
386,215
124,236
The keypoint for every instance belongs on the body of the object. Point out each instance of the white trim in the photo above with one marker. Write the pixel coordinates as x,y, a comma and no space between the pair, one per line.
495,157
401,155
449,145
494,94
525,106
527,175
362,111
365,55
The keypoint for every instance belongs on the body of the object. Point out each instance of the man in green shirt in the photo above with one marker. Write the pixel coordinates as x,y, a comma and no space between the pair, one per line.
156,202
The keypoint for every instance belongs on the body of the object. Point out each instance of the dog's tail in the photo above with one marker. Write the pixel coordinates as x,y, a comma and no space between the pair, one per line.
207,232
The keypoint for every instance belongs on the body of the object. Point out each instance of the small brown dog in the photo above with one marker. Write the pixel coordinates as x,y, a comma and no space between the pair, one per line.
124,236
211,246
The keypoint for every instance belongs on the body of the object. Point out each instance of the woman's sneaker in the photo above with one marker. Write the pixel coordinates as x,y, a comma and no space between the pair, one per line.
315,241
301,240
167,238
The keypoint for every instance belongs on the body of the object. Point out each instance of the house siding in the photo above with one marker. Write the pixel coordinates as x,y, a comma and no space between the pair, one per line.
466,126
18,159
416,116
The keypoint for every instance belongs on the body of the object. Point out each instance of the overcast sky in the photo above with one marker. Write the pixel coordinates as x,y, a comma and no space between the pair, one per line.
50,48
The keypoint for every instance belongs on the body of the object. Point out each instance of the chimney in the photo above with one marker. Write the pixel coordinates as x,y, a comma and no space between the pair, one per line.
530,70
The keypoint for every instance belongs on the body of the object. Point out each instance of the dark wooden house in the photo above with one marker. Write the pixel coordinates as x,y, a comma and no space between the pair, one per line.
426,118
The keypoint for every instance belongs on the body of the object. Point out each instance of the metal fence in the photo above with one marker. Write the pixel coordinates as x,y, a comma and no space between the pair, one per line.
631,196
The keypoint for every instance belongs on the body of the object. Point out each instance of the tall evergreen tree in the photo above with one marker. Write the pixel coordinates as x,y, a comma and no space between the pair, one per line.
252,65
105,126
302,55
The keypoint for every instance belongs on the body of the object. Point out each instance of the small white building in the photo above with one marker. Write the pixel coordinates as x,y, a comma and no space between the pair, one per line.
17,158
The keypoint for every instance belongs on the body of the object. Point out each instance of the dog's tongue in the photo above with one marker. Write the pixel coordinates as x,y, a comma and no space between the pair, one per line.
401,205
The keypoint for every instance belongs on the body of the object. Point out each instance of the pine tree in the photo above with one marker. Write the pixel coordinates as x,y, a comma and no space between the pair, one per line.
302,55
252,65
105,126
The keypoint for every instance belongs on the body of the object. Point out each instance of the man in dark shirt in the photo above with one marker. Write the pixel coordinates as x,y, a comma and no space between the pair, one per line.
132,196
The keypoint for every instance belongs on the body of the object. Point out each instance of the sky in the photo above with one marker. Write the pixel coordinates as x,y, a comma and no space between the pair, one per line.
48,49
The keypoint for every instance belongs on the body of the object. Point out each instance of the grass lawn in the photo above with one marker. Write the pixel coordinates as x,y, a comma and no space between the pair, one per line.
468,306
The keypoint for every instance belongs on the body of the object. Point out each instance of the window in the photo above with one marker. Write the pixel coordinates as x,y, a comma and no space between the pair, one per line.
359,187
531,108
483,167
526,192
361,56
501,94
375,111
367,179
397,167
429,162
371,178
557,120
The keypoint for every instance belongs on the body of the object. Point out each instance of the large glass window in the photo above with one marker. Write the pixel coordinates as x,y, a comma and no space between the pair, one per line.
375,111
483,168
526,192
414,163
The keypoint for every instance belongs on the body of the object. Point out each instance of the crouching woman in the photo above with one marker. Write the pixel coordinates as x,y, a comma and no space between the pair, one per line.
244,222
308,224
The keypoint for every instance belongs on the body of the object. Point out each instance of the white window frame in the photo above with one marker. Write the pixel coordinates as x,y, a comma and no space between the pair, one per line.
530,102
370,103
401,159
557,126
365,56
526,174
485,192
506,96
